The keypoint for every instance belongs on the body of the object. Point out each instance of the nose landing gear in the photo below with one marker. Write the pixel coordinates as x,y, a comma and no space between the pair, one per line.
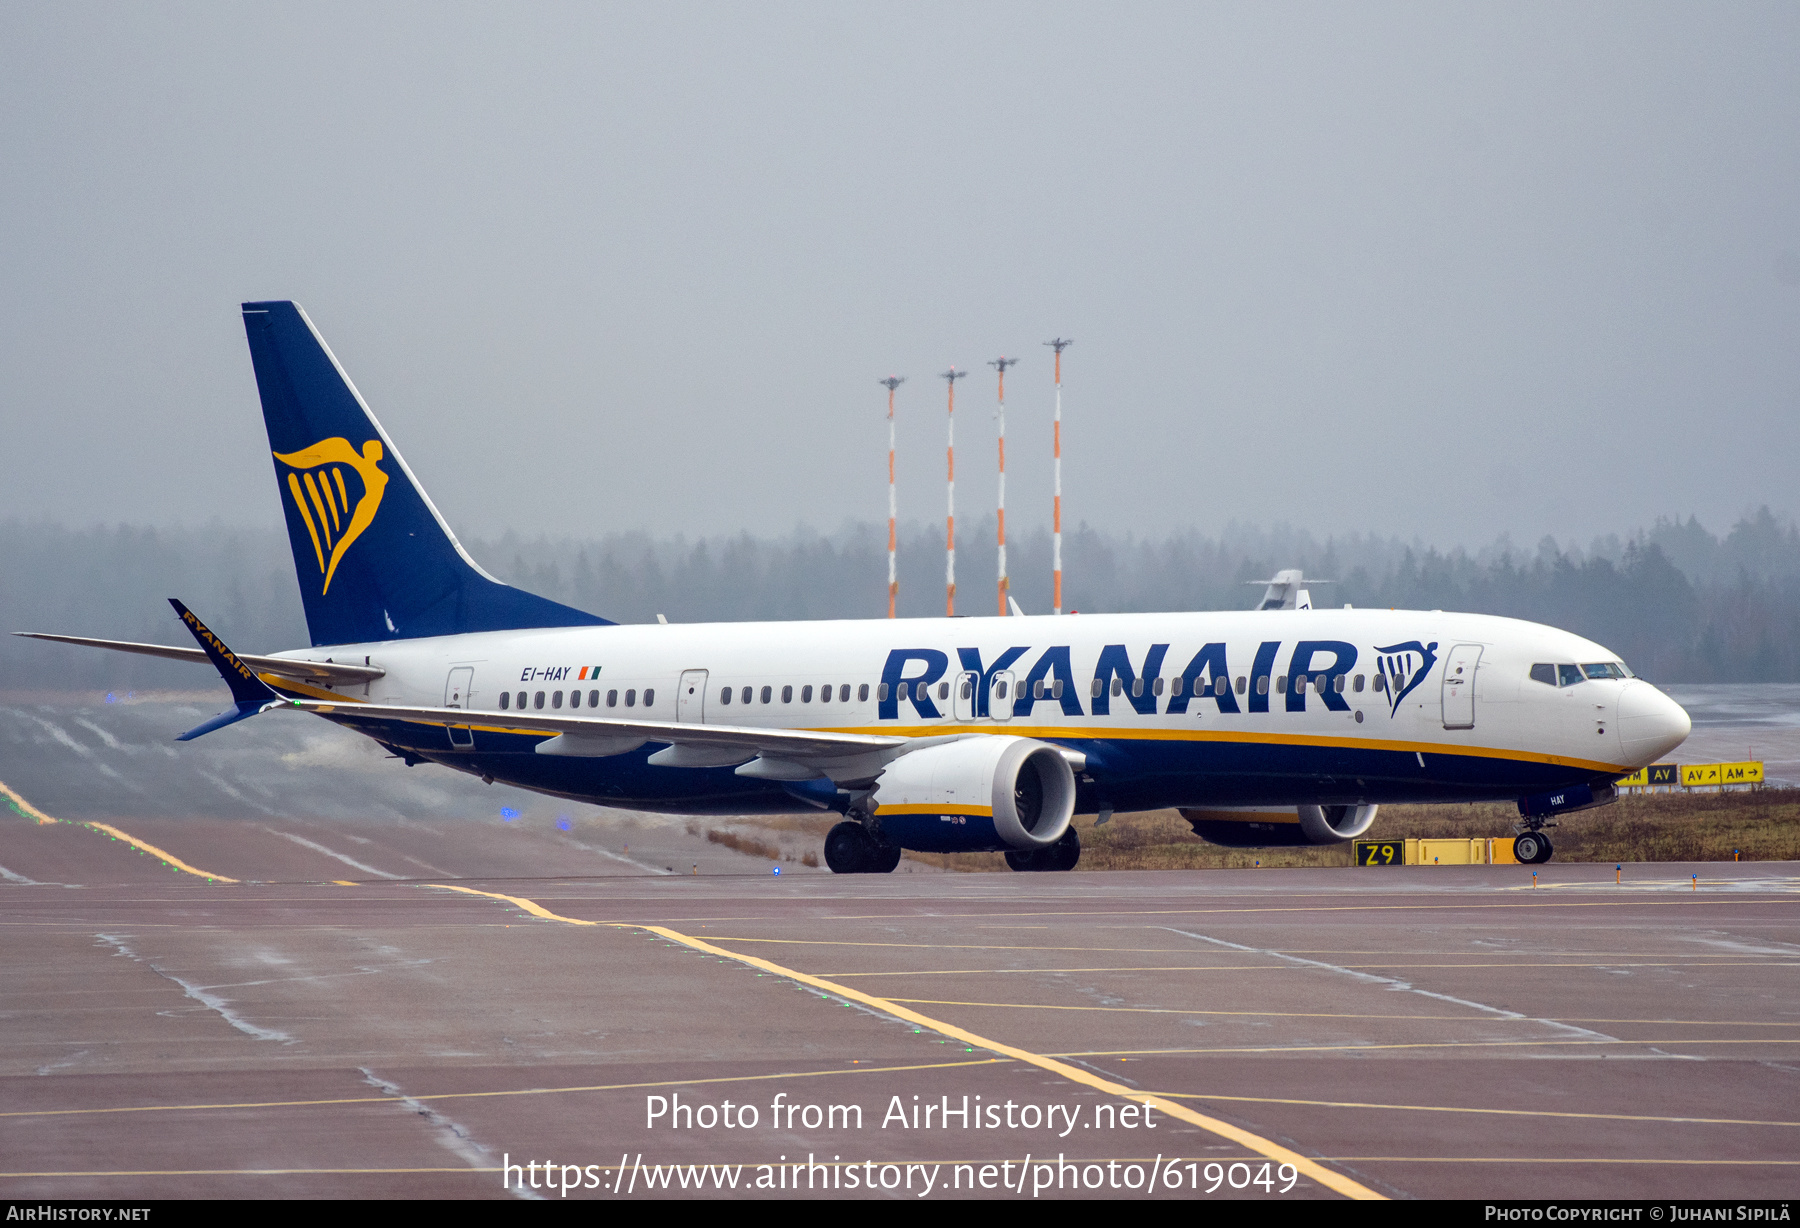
1532,848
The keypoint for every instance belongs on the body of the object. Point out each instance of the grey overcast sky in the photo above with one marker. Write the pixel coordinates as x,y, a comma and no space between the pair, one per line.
1446,270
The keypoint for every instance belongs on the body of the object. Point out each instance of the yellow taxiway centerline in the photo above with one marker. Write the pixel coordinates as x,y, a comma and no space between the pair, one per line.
1326,1177
32,812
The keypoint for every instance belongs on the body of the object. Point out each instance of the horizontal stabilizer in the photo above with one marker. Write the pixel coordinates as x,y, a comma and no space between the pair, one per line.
312,671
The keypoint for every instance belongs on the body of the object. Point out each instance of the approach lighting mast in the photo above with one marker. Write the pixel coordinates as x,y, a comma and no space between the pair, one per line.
1059,345
1000,365
890,383
950,377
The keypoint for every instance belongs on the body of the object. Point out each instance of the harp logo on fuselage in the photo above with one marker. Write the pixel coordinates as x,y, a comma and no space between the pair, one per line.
316,483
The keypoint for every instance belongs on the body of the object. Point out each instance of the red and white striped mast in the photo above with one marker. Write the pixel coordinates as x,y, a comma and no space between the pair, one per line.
951,376
1059,345
890,383
1000,365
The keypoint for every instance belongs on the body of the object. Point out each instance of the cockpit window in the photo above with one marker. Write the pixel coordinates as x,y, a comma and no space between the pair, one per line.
1606,669
1545,674
1568,675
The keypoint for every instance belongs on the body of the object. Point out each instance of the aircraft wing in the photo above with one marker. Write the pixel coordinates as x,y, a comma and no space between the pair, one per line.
690,745
317,671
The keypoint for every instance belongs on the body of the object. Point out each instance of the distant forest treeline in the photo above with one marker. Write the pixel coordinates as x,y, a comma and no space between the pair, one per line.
1678,602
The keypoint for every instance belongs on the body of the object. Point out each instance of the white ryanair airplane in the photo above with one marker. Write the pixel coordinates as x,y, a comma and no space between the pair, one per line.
1278,726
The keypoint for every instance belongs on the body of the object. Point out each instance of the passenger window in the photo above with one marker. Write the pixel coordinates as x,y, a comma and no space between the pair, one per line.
1056,689
1037,688
1359,684
863,692
1157,687
505,700
1177,684
966,690
1262,684
1000,690
612,699
745,697
905,692
631,698
1380,683
593,699
768,693
1137,688
824,694
1094,689
1118,686
806,694
943,690
1338,685
1568,675
1281,683
725,696
649,697
844,693
787,694
1223,684
538,700
556,700
574,699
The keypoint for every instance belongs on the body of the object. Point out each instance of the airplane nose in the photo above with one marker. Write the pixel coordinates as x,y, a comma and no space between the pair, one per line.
1650,723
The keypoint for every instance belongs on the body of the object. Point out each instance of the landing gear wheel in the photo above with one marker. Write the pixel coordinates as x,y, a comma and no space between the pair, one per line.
1064,853
848,849
1532,848
1059,856
882,859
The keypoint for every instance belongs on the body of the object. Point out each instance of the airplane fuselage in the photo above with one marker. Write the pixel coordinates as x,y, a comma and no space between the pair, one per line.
1318,707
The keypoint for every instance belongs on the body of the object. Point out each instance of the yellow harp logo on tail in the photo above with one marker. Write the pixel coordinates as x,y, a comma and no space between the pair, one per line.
317,485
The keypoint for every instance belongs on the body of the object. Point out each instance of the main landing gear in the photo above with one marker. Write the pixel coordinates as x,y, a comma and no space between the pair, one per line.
850,849
1532,848
1059,856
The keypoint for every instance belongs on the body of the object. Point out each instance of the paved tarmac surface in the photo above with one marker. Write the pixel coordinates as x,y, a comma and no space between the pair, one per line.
400,1001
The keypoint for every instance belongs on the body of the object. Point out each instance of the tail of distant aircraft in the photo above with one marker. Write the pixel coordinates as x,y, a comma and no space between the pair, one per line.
375,559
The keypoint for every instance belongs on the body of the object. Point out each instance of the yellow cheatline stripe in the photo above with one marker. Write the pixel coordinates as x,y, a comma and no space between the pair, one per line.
518,1091
936,808
1447,1108
24,807
42,818
1224,1129
285,683
1090,733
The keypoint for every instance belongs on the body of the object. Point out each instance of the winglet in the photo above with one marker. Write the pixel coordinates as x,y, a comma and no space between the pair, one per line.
250,693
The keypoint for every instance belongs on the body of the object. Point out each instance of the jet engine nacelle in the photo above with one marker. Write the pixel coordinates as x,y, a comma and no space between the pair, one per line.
1254,827
984,793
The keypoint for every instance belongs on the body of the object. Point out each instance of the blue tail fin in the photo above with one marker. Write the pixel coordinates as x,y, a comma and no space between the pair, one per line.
375,560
